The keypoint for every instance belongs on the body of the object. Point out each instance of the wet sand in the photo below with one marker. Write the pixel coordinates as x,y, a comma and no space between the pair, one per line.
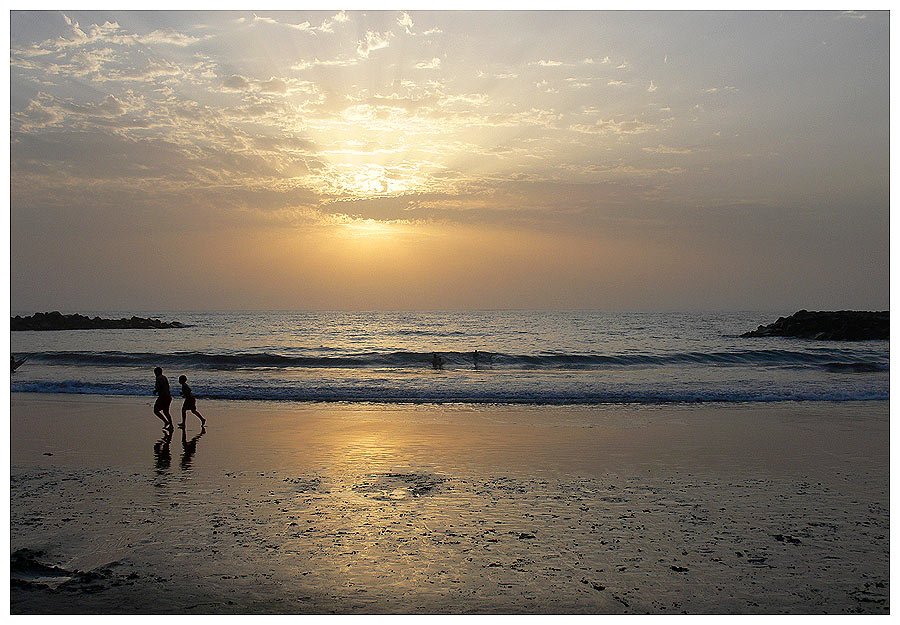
328,508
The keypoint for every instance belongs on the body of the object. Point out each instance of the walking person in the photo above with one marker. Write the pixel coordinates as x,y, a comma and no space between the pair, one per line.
190,403
163,399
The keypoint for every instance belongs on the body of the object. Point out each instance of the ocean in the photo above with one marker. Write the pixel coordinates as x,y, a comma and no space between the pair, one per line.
525,357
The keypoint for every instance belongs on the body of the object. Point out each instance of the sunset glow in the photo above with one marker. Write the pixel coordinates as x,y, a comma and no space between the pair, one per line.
381,312
211,130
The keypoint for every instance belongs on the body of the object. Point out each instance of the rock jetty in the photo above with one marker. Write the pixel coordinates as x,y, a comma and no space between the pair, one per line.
57,321
841,325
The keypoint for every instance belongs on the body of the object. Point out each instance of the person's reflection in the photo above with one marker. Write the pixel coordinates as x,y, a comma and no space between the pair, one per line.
162,453
190,446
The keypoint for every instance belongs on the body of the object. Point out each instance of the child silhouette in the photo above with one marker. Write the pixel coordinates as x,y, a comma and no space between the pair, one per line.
190,403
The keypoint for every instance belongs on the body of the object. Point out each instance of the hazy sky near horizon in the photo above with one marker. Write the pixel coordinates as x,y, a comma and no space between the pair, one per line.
449,160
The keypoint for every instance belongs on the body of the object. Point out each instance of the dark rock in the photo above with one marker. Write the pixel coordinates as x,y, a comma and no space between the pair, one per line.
57,321
841,325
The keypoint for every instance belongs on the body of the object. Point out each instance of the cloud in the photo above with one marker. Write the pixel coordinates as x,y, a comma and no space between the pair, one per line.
328,24
109,106
717,89
631,170
275,144
104,53
169,37
77,63
345,62
46,111
215,121
610,126
111,33
434,63
616,83
36,115
665,149
152,70
236,83
531,117
406,21
273,85
264,20
256,20
373,41
502,76
302,26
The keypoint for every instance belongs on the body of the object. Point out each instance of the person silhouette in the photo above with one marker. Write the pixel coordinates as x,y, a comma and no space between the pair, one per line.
475,358
163,400
436,361
190,403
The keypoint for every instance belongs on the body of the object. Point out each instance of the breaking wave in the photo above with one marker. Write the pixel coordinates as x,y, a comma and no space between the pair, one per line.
832,359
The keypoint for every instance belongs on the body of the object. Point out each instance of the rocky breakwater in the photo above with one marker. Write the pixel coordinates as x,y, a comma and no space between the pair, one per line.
57,321
841,325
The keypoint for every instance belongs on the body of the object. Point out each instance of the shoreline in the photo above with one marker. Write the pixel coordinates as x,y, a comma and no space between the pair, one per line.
326,508
467,404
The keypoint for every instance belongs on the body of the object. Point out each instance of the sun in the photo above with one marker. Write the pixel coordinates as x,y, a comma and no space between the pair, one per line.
368,228
373,180
366,180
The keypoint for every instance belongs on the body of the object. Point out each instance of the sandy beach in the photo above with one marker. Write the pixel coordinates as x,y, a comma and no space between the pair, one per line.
340,508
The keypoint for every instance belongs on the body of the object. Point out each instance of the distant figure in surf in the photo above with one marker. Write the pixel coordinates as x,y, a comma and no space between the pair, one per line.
190,403
480,356
436,361
163,400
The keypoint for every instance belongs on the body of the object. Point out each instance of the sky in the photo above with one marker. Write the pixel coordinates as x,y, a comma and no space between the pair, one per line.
392,160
